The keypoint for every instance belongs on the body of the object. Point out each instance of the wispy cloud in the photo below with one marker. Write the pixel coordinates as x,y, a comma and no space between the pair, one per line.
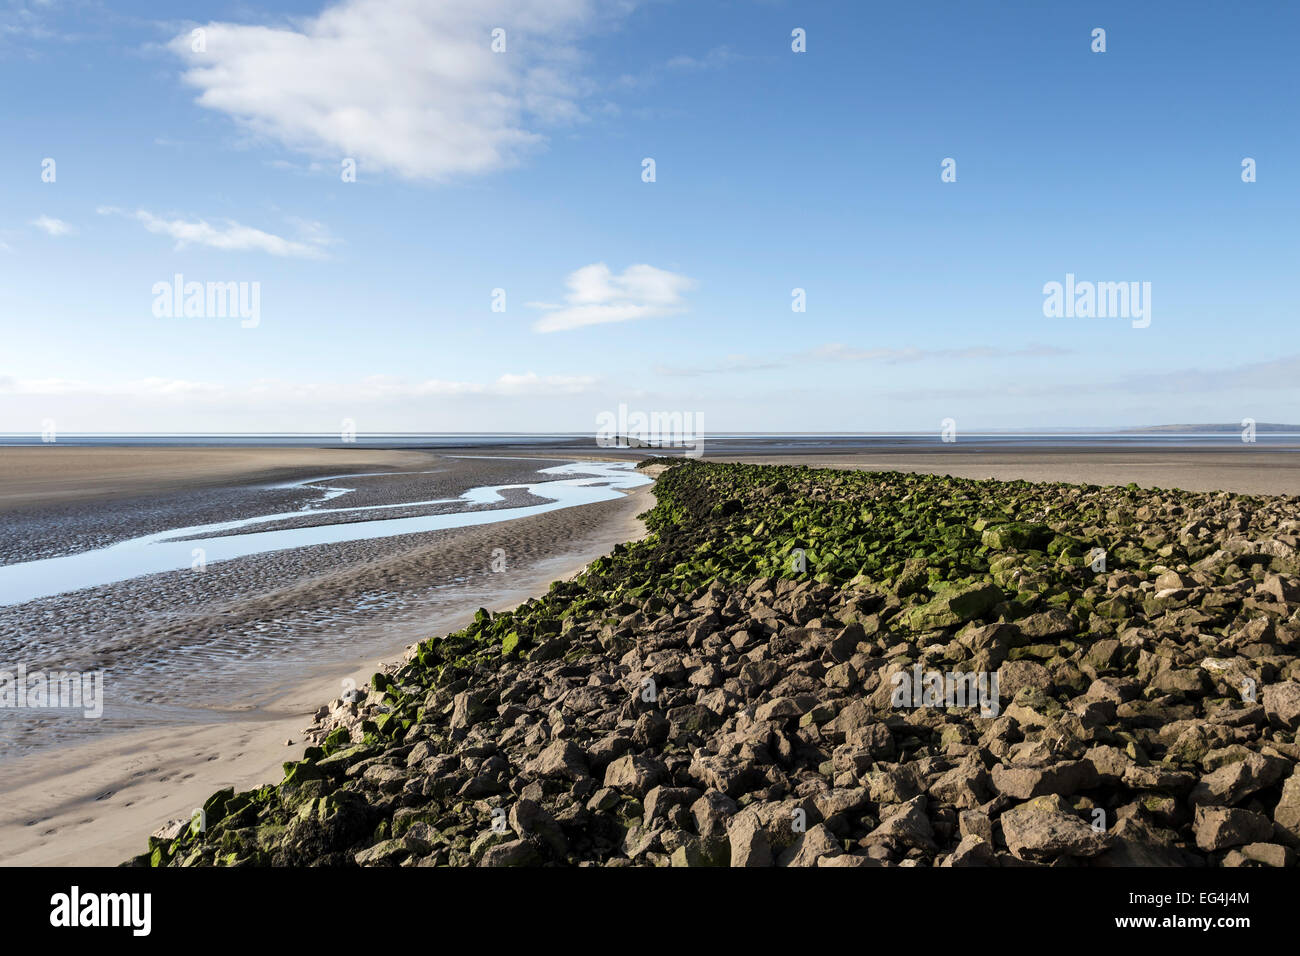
376,388
233,236
54,227
839,352
727,364
598,296
413,88
1274,374
714,59
26,20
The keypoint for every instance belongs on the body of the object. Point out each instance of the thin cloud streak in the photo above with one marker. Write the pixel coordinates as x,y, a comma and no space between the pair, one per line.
838,352
1281,373
53,227
373,388
232,236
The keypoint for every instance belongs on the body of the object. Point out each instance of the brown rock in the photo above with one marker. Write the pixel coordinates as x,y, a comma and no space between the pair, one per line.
1218,828
1282,704
1046,828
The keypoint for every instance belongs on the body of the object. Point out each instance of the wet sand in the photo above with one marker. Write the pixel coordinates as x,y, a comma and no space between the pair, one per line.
130,506
211,639
94,802
40,476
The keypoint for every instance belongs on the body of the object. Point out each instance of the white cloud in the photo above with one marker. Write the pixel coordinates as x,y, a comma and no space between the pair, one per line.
716,58
1278,374
233,236
410,86
18,19
54,227
376,388
846,353
838,352
597,296
311,231
383,387
524,401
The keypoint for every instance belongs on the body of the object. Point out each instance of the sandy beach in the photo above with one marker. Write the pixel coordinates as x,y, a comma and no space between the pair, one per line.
1244,472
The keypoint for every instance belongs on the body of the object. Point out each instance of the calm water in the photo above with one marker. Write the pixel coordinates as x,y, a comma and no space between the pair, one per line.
166,551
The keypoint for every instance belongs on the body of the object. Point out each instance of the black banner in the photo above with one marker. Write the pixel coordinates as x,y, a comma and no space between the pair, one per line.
258,906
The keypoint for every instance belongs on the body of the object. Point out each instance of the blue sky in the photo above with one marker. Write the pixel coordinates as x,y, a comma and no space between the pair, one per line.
522,171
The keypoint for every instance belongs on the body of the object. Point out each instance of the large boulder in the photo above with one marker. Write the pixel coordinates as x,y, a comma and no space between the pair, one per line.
954,606
1046,828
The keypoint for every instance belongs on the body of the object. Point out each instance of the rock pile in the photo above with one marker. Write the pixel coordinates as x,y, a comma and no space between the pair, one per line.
820,668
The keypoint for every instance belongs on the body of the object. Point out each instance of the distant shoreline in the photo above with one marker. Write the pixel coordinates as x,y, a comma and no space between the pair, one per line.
585,440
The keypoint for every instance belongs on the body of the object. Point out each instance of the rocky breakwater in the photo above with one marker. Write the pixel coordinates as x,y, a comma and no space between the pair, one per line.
808,667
